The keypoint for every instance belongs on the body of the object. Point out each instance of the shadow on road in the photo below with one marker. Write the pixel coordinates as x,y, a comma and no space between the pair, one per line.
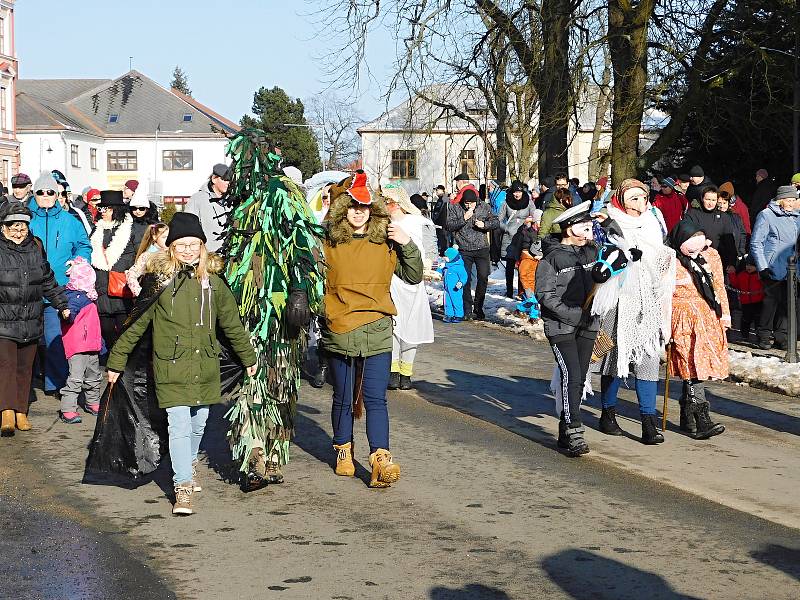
588,576
472,591
781,558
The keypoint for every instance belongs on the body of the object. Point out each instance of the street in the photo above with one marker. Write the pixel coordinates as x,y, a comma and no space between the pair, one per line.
486,507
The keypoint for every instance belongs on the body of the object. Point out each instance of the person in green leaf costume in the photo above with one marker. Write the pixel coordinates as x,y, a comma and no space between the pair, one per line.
274,268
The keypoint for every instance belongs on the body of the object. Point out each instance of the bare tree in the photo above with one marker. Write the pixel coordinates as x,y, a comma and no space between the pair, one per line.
336,120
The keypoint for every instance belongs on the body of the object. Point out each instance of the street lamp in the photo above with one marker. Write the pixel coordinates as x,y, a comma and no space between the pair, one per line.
41,150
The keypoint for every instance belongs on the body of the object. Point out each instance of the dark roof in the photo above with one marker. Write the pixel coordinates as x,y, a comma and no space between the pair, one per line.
140,103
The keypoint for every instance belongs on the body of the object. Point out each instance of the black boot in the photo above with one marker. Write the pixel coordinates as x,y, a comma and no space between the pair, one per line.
706,428
576,444
321,376
687,419
394,380
405,382
562,433
608,422
650,434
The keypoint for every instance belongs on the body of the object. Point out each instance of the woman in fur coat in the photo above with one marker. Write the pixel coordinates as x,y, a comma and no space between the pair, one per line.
114,244
363,251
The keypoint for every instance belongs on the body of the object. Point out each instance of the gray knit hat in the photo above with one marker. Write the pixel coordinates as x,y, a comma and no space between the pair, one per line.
786,192
45,181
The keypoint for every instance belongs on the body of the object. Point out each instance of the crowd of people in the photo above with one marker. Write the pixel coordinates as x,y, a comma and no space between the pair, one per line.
617,274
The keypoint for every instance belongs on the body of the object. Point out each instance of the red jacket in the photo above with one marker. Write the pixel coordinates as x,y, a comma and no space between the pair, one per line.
740,208
748,286
672,206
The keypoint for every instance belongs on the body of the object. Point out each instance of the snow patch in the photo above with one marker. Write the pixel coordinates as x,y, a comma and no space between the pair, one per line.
768,372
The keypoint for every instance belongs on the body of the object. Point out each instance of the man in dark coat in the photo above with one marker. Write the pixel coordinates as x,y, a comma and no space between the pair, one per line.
697,183
762,195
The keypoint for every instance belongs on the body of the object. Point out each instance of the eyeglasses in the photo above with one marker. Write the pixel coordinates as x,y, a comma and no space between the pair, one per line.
43,192
194,247
142,208
16,226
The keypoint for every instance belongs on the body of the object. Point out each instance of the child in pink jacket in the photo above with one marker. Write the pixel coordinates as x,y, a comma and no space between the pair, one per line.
82,343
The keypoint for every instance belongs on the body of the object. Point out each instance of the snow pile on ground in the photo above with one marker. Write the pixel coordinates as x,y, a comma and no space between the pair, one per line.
765,371
498,308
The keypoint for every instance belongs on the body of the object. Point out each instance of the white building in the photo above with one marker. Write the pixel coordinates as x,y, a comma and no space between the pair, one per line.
422,145
9,67
103,132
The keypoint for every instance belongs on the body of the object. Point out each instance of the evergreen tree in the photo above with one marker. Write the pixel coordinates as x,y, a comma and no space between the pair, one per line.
273,110
180,81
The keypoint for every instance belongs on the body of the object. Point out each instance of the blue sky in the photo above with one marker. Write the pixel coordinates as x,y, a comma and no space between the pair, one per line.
227,49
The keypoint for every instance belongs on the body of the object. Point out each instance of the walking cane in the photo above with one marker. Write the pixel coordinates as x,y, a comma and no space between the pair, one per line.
666,388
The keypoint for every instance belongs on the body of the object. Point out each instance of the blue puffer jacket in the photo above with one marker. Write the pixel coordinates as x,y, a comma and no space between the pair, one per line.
773,240
63,236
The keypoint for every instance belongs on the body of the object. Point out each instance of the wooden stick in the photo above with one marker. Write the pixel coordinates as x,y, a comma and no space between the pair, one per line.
666,388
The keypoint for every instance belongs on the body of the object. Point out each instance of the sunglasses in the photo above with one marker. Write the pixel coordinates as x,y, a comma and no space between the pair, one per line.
139,208
43,192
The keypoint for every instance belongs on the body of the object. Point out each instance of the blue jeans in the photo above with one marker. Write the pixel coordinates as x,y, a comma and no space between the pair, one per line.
186,425
645,393
373,386
56,368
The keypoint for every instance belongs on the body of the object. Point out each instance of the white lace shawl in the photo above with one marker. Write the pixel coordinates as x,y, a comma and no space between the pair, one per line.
642,293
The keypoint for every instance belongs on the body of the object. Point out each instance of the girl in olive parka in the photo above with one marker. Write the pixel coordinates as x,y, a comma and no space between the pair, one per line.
185,347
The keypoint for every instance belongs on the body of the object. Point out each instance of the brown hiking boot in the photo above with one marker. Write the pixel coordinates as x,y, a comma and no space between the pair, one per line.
344,460
183,499
7,423
384,471
195,482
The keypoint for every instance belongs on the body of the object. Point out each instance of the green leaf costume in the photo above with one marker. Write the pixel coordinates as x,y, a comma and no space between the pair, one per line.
272,246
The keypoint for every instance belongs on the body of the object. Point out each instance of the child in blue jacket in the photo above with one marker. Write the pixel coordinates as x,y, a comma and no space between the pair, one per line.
454,277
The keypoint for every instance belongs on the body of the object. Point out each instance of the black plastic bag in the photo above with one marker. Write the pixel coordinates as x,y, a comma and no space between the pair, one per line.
130,437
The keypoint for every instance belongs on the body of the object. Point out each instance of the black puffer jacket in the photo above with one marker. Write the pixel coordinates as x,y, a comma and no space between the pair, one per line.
467,235
563,283
725,235
25,277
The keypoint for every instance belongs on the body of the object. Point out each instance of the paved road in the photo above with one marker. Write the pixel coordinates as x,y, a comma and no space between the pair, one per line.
481,511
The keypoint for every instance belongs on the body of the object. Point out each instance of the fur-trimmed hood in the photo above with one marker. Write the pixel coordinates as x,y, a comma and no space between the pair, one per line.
341,232
160,264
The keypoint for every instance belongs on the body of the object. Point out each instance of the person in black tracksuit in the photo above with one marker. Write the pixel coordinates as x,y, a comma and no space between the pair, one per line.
563,287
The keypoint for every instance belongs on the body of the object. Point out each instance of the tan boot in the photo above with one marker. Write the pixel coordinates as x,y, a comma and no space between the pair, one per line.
183,499
384,471
344,460
273,470
22,422
7,423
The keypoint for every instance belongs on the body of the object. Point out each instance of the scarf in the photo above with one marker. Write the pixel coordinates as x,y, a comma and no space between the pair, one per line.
642,294
697,266
104,259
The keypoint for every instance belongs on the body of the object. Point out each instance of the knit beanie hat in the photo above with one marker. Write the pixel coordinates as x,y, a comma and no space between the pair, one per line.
795,179
185,225
696,171
451,254
786,192
132,185
45,181
139,202
82,277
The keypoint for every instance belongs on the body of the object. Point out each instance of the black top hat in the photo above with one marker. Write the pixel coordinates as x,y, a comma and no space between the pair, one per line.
111,198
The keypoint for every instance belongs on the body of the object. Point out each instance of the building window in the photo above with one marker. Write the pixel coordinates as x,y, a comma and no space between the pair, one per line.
404,164
93,158
177,160
73,155
3,108
113,118
2,35
179,202
187,118
121,160
469,166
